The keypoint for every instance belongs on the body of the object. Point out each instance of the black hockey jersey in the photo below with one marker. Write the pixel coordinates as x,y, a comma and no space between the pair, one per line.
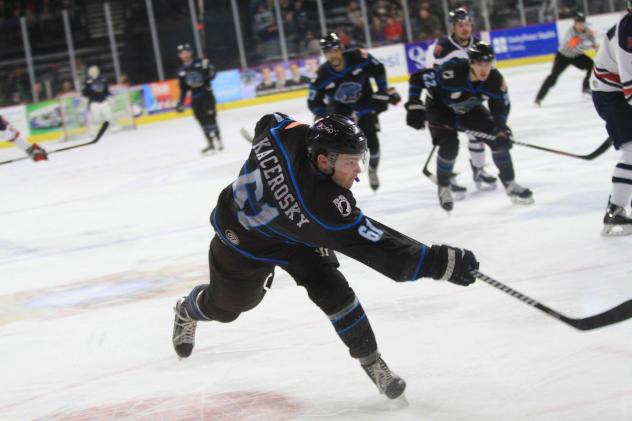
280,202
196,77
348,91
449,85
96,90
446,49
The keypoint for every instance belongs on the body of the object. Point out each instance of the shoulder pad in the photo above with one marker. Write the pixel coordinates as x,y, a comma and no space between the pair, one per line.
268,121
363,53
625,33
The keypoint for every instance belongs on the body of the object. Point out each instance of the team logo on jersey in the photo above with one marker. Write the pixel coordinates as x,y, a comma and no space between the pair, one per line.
629,43
232,237
98,86
348,92
455,95
343,205
194,79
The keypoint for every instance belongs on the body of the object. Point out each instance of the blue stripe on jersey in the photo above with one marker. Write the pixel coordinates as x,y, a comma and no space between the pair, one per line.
243,252
298,191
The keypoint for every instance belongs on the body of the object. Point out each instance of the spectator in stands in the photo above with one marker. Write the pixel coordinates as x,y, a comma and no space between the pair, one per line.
354,14
426,25
312,44
66,88
393,30
265,26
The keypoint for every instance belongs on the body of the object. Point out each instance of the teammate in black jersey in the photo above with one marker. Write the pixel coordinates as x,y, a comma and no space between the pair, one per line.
456,91
195,75
96,89
454,46
291,207
342,85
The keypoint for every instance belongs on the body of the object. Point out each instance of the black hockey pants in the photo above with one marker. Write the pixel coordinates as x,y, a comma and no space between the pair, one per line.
560,64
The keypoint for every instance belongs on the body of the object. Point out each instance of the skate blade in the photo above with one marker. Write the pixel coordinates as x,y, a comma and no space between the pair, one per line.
486,186
399,402
521,201
614,230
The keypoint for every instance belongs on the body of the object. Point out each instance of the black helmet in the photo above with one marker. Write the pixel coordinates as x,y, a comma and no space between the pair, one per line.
579,17
330,41
458,15
184,47
335,134
481,51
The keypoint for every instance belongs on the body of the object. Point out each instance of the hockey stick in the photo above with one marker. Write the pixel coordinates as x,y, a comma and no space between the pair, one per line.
487,136
244,133
98,136
425,169
614,315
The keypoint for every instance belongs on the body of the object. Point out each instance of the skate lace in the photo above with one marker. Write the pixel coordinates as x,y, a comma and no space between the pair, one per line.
381,374
187,328
445,195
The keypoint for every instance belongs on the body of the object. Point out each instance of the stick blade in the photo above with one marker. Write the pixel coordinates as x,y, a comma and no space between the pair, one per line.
615,315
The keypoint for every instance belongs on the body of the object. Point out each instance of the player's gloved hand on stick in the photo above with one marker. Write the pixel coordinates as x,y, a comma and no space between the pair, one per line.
452,264
416,114
393,96
504,139
380,101
37,153
179,107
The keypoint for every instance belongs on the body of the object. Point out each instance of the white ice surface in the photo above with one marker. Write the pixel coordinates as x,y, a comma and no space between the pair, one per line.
98,243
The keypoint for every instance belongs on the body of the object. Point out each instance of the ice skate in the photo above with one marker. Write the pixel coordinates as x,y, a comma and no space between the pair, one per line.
458,191
387,382
374,181
209,150
220,144
519,195
616,222
483,180
183,330
445,198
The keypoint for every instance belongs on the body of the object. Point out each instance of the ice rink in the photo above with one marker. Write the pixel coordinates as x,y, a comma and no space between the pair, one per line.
98,243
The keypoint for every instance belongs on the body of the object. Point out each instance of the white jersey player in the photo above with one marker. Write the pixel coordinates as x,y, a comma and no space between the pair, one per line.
9,134
611,83
454,46
96,90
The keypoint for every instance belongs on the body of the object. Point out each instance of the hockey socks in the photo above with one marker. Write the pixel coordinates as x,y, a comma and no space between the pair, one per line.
354,329
622,178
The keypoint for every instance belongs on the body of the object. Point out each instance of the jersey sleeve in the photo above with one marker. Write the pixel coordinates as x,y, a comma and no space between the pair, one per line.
423,79
368,241
377,70
316,95
499,104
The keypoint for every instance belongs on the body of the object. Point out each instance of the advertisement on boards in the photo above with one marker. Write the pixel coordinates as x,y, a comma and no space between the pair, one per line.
416,53
44,117
274,78
393,57
528,41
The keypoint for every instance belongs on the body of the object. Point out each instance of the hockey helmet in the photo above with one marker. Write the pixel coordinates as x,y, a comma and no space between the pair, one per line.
329,41
481,51
334,135
459,15
579,17
184,47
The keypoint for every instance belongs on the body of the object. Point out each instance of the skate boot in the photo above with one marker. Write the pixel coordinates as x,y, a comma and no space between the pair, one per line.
519,195
36,152
374,181
483,180
616,222
457,190
209,149
445,198
387,382
183,330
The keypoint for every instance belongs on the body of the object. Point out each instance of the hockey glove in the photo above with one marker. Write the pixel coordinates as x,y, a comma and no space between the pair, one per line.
416,114
452,264
37,153
380,101
179,107
504,139
393,96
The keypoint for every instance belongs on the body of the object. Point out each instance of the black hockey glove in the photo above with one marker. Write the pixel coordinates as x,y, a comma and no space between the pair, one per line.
504,139
179,107
416,114
380,101
393,96
452,264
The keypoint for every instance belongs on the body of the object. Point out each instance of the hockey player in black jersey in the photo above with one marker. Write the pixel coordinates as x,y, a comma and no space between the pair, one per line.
195,75
454,46
291,207
342,85
9,134
456,91
97,91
